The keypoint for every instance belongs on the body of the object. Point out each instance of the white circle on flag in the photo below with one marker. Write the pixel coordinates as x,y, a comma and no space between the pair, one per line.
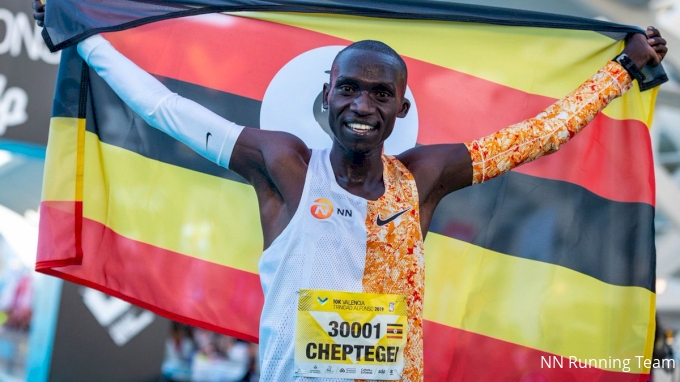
292,103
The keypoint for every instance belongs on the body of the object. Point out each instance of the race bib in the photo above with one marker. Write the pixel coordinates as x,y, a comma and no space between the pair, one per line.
350,335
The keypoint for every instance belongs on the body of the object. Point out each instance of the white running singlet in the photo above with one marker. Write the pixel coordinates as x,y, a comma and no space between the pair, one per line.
339,241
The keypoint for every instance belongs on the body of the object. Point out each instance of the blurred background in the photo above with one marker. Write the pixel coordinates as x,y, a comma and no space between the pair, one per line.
35,346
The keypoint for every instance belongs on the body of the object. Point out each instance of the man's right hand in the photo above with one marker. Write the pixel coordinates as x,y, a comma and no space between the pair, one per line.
39,12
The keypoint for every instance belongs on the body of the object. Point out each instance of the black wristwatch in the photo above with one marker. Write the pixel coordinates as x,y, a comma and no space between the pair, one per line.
630,67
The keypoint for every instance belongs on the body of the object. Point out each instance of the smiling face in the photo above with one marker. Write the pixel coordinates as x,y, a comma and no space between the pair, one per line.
364,98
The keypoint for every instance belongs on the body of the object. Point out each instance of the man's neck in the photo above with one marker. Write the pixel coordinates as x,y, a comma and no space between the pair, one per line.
359,173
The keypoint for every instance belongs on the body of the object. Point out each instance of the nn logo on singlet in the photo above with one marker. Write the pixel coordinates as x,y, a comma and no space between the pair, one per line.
322,208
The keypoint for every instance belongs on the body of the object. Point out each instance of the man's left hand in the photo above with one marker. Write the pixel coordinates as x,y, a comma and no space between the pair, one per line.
649,49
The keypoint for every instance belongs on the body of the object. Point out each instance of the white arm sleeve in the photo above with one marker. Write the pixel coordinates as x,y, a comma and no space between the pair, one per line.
199,128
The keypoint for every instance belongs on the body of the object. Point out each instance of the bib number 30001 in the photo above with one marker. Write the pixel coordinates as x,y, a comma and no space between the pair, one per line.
355,329
350,335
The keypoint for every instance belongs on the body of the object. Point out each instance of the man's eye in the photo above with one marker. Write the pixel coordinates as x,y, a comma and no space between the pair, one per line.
383,95
345,88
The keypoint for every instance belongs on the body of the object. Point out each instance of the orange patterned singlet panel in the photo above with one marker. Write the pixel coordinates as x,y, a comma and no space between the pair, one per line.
521,143
394,255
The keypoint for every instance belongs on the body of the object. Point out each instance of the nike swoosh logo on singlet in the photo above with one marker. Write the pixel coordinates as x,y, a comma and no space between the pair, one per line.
207,136
381,222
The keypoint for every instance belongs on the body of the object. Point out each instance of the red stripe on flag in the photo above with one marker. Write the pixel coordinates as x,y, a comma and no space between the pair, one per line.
609,158
59,241
253,51
457,355
165,282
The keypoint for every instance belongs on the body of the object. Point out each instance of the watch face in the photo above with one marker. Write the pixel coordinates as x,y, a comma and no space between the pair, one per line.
623,59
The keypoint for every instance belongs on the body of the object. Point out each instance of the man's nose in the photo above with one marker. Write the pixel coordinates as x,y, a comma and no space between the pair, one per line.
362,104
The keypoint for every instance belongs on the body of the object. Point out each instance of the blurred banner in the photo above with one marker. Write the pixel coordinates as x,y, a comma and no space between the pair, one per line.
27,73
546,273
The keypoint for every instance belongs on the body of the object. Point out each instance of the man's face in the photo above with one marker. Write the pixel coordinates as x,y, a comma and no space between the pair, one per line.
364,98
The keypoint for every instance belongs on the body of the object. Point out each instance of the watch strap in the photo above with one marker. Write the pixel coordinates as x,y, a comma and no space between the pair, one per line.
630,67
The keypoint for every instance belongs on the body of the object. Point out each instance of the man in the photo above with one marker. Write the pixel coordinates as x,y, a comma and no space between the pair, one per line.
375,250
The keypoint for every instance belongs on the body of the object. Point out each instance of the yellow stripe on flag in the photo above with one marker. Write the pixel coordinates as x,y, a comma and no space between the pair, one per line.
157,203
62,160
535,304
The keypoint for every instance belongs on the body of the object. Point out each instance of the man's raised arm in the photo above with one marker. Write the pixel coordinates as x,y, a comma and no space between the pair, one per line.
199,128
442,169
544,134
277,176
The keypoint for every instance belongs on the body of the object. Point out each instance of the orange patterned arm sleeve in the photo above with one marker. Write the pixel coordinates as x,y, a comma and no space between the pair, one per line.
523,142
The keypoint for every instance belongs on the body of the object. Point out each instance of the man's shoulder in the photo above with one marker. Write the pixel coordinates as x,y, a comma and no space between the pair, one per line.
432,157
278,145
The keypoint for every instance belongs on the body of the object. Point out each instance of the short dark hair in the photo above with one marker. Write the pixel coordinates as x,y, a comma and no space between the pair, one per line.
378,47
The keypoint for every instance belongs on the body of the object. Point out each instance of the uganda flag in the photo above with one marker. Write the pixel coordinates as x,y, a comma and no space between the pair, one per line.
395,330
543,274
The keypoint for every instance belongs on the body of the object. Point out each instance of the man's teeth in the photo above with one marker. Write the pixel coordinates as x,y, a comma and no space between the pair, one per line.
360,127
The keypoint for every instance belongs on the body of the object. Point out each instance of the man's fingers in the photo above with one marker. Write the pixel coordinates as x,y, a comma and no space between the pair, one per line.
661,48
39,18
38,12
656,41
652,32
660,51
38,6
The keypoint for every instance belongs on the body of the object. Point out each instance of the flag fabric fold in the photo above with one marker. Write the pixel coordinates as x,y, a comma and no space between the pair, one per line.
545,273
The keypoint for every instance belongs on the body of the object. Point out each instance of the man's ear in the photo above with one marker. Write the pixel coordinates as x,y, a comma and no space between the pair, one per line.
324,98
405,106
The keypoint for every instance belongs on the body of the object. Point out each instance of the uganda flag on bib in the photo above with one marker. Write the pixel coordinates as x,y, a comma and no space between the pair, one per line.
543,274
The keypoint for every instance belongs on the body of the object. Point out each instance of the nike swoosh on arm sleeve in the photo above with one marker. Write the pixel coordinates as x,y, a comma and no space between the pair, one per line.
523,142
181,118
